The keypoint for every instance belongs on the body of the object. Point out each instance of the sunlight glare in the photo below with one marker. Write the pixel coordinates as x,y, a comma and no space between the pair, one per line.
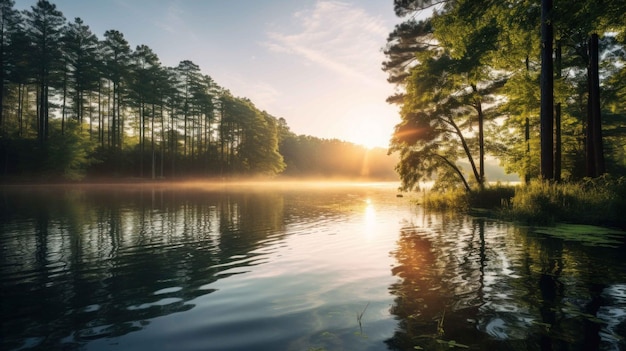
369,125
369,220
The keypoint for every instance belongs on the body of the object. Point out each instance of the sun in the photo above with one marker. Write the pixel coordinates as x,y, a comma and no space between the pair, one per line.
370,134
369,126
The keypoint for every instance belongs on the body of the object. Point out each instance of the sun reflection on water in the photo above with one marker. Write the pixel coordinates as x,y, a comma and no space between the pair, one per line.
369,220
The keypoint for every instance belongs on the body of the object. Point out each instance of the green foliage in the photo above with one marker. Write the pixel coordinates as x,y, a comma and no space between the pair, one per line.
66,157
490,198
69,154
450,96
138,118
474,57
591,201
448,200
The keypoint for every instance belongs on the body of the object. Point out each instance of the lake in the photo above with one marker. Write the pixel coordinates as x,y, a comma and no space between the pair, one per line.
292,266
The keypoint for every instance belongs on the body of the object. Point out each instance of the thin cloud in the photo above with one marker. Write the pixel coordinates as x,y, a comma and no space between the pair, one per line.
173,19
337,36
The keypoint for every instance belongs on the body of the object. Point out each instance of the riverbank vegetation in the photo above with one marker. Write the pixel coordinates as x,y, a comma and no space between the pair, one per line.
74,105
598,201
541,88
591,201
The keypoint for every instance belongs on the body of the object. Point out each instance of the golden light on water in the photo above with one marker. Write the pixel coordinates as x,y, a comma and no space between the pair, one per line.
369,220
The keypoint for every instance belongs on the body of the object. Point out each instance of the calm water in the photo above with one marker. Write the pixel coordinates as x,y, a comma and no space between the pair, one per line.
258,267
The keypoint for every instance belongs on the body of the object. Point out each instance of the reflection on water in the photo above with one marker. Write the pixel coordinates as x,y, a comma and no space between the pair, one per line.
79,266
330,267
217,268
482,284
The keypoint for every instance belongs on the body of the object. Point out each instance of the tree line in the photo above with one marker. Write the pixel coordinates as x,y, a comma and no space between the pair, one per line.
75,105
470,81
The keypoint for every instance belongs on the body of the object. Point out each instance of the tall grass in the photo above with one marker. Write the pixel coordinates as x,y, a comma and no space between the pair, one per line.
591,201
493,197
454,200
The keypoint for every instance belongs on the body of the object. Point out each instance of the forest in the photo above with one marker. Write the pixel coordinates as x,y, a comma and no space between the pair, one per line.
539,85
75,106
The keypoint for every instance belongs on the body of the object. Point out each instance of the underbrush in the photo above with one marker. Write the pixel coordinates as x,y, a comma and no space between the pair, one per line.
449,200
494,197
590,201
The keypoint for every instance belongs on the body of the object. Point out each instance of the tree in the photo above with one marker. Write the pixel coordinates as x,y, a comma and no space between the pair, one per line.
260,146
497,43
45,25
81,50
189,78
9,20
547,91
405,7
447,89
404,43
144,86
116,56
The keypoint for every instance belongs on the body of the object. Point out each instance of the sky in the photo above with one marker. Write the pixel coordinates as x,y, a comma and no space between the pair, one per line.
315,63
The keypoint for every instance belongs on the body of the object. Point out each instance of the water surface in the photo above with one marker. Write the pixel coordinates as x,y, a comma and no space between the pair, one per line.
278,267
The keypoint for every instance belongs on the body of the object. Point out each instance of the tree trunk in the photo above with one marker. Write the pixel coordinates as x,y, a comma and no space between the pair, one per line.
547,92
528,160
46,112
41,131
557,120
481,139
64,108
152,141
457,171
466,148
2,76
595,150
20,103
162,144
173,142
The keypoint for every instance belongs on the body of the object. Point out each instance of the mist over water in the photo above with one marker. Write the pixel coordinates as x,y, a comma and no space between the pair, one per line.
289,266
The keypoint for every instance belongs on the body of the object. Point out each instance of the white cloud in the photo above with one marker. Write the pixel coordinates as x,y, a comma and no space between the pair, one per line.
338,36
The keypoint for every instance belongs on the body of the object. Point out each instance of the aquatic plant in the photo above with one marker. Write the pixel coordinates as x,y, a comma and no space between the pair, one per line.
359,317
587,235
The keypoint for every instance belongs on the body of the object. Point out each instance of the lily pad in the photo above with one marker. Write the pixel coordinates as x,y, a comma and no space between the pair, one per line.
588,235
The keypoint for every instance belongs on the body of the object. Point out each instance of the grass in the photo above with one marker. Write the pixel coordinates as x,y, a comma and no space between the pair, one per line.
443,201
491,198
598,201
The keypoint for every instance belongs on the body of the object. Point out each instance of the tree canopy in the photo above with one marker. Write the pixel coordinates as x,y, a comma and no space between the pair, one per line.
74,105
468,87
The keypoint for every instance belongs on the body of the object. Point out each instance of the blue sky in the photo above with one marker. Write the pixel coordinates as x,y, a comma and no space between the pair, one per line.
315,63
